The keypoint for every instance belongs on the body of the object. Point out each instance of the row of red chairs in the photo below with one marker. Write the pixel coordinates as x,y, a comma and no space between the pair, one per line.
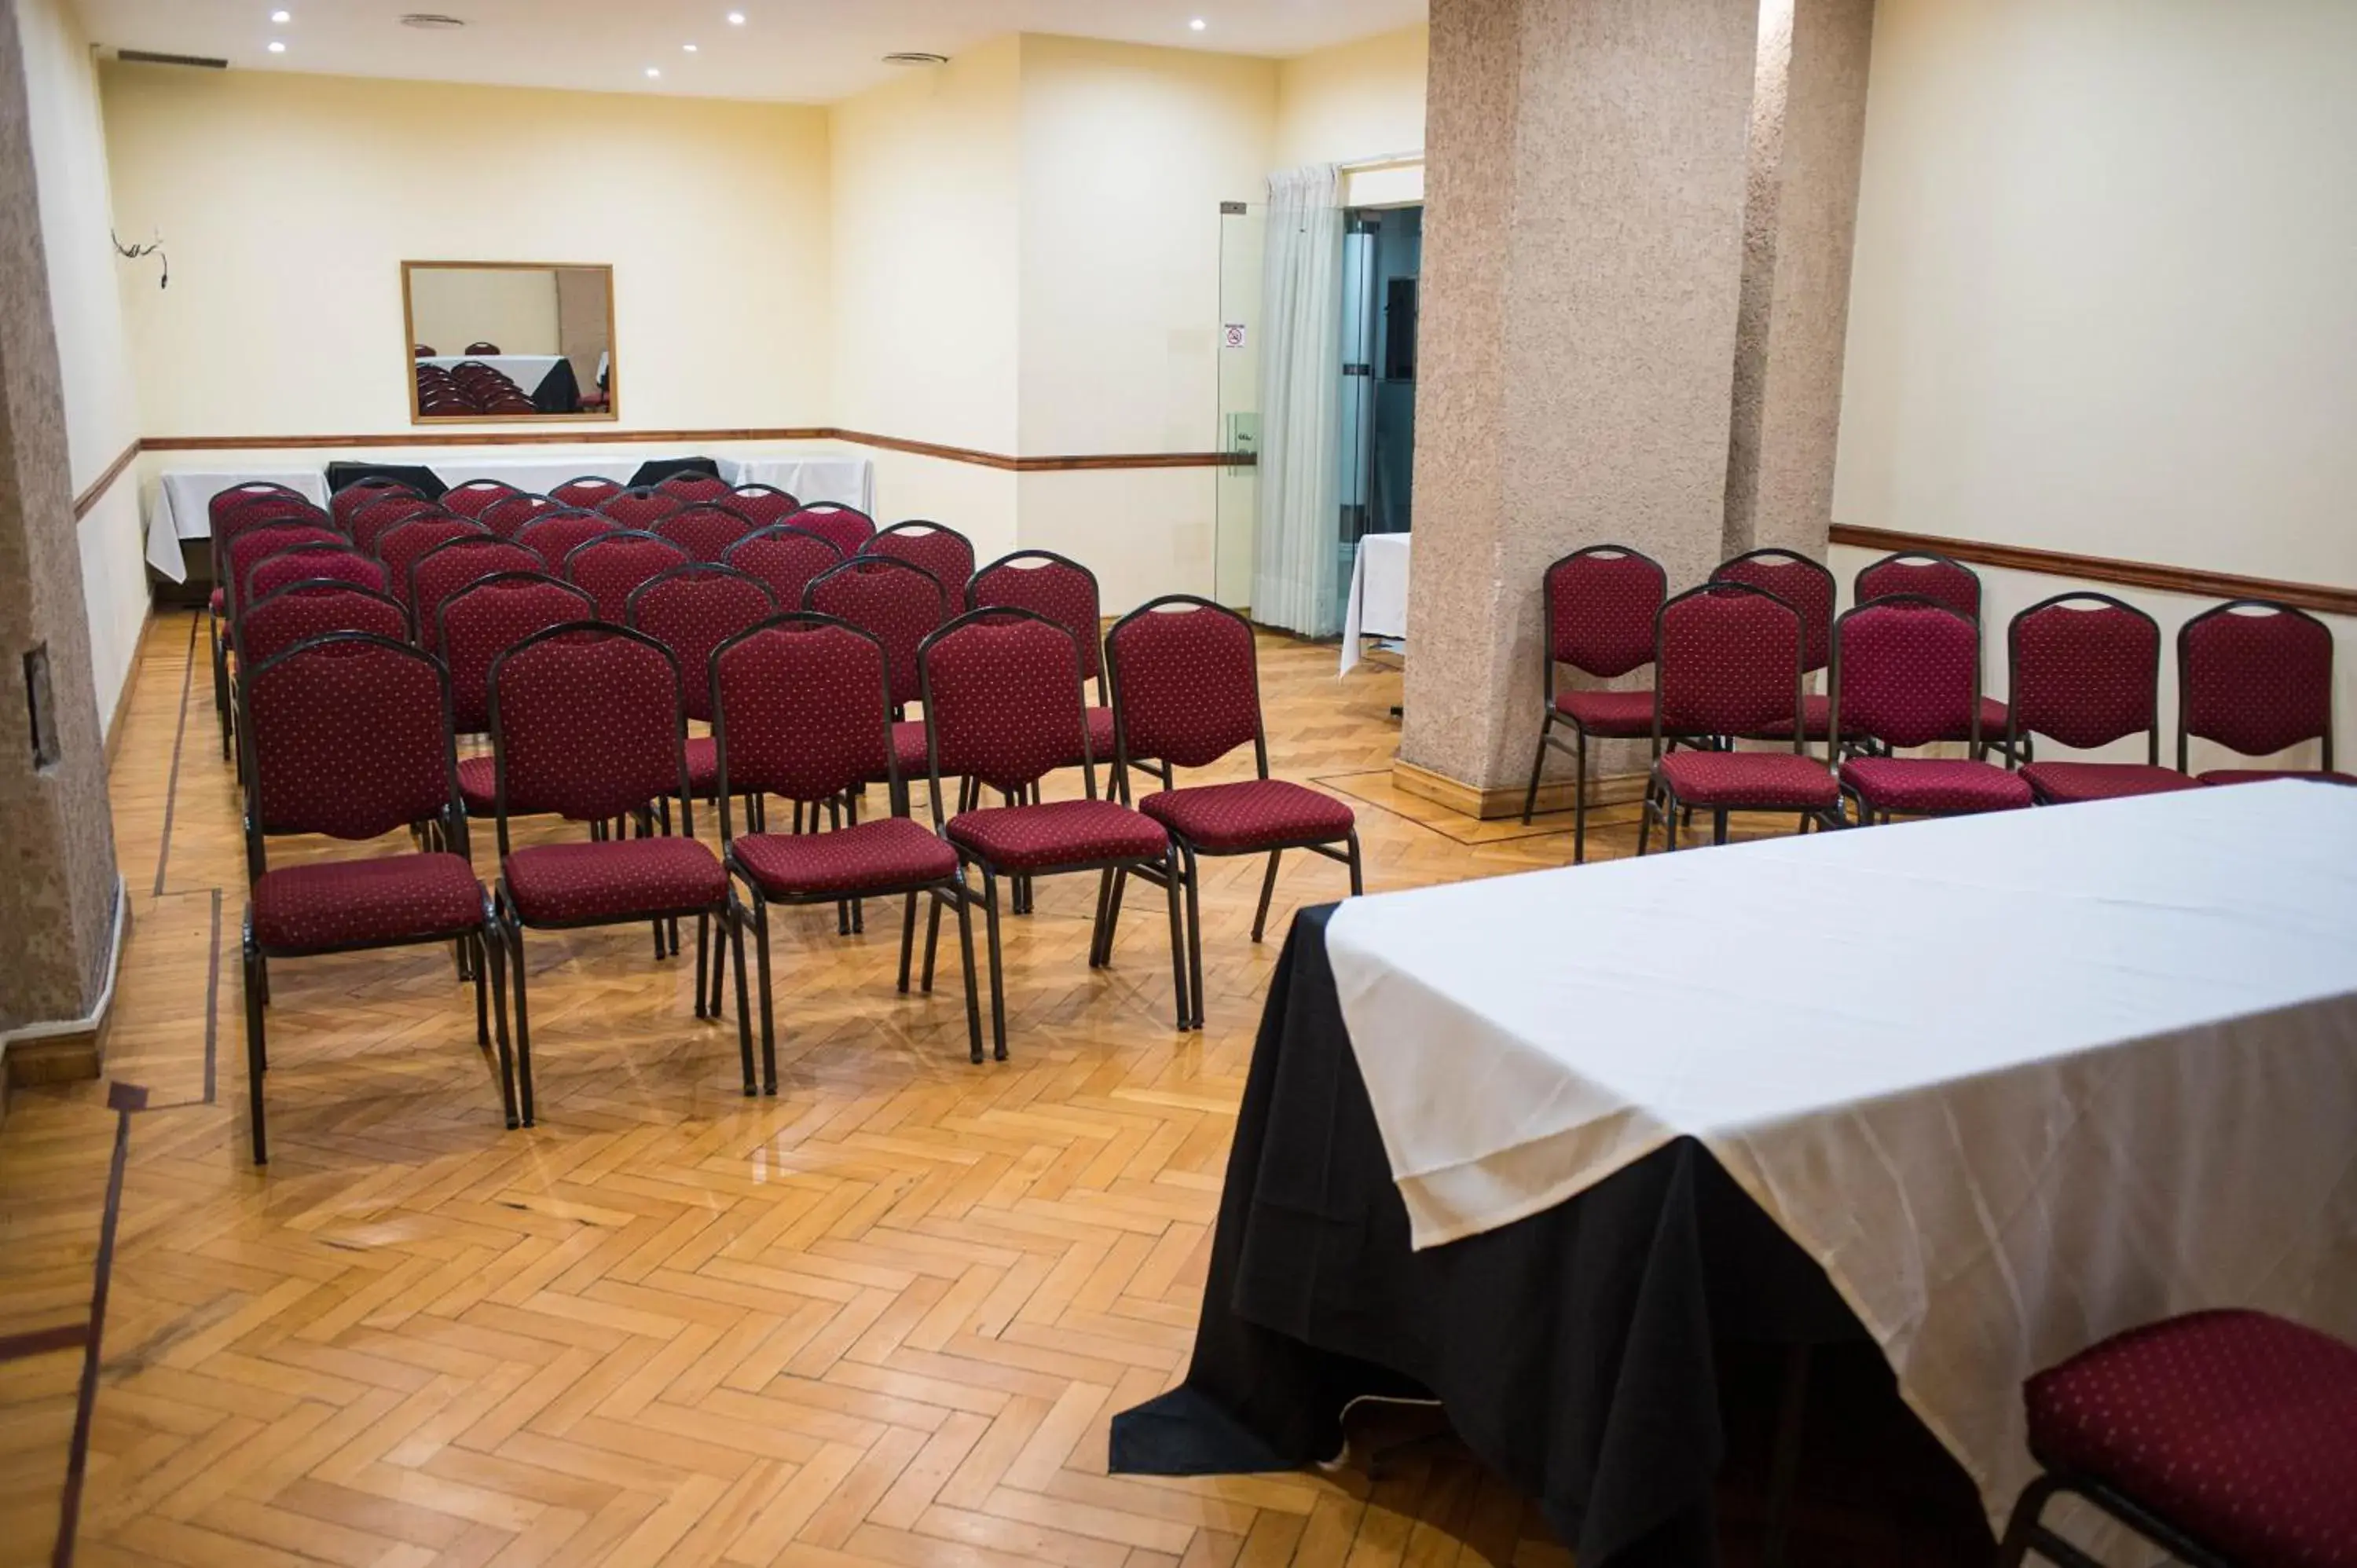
1731,659
469,387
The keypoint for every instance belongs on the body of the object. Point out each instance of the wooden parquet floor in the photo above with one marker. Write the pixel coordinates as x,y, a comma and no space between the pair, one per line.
883,1318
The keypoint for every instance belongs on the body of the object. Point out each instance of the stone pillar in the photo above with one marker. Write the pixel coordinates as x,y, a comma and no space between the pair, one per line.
1808,135
57,837
1585,197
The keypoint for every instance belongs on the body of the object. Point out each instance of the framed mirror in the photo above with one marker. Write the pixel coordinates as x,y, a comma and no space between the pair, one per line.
509,340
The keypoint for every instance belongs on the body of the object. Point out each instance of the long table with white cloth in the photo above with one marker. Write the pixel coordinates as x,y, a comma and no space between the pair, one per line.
2005,1084
846,478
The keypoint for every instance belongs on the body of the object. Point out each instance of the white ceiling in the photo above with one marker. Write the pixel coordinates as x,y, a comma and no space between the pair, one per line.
803,51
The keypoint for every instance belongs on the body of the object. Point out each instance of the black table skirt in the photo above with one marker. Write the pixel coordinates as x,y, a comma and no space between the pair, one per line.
1574,1350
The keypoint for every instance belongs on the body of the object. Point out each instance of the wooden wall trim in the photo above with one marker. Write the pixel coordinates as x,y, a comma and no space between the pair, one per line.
2189,580
96,493
575,436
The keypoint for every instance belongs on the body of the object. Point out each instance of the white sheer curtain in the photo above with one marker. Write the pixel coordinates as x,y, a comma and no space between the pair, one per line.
1299,530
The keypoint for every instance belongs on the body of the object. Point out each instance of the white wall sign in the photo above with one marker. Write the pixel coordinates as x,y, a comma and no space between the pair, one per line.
1233,335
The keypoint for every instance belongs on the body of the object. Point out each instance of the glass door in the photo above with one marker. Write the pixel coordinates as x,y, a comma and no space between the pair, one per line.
1243,236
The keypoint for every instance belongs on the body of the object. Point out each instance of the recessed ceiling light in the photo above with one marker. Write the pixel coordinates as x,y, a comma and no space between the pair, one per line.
1197,26
277,48
735,18
654,70
282,15
688,48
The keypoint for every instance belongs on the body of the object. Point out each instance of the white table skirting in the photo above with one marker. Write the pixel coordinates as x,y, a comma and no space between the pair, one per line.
2016,1081
527,371
1377,605
182,498
844,479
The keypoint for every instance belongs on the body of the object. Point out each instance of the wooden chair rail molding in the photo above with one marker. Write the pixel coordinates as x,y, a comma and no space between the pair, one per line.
2188,580
574,437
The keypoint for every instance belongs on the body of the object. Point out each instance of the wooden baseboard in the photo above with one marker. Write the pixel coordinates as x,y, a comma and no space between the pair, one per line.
1506,800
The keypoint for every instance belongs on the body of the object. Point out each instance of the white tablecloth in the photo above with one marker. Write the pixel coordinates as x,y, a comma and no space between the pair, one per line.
2016,1081
1377,603
527,371
846,478
180,509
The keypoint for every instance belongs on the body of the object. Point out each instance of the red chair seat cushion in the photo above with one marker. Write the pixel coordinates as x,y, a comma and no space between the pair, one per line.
1754,780
1057,833
1933,786
2237,1427
479,785
355,903
887,853
2067,783
1233,818
2265,775
586,884
1623,715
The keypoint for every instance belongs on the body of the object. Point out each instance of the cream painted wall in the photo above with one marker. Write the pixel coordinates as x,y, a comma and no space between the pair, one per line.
513,307
1362,99
2103,300
69,161
289,202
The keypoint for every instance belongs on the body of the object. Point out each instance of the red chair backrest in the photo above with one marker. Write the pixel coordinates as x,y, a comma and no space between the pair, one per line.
373,521
2083,669
785,557
400,548
450,566
1801,583
312,607
585,722
1935,577
801,709
1728,661
1600,605
2255,677
944,552
897,603
507,515
227,504
611,564
1002,699
1047,584
240,553
557,534
1186,681
477,497
692,487
846,528
265,512
705,533
764,504
586,491
304,563
487,618
348,736
694,610
361,494
640,507
1906,671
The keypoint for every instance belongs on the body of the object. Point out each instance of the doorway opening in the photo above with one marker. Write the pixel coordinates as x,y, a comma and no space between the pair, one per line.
1382,253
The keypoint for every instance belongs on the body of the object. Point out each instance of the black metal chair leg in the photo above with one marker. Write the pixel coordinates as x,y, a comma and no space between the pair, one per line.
1193,999
769,1009
973,1000
1358,880
1645,820
494,958
1579,798
523,1020
1268,891
703,933
1170,879
1538,766
254,1066
1112,909
908,939
482,998
1718,827
1097,955
933,941
997,980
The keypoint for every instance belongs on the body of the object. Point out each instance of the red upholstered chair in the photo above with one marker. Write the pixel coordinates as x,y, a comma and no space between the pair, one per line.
508,516
944,552
611,564
900,604
693,488
585,725
1185,684
1065,592
705,533
762,504
692,610
314,606
305,563
1907,674
257,543
1728,661
478,624
554,535
800,710
2086,673
450,566
256,497
257,503
1944,581
1599,607
845,527
404,547
360,494
348,735
588,491
476,497
2228,1439
788,559
1004,705
482,348
2256,677
1809,589
375,521
642,508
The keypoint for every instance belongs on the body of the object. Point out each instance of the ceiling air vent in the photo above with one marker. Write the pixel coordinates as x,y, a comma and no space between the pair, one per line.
149,56
915,57
433,21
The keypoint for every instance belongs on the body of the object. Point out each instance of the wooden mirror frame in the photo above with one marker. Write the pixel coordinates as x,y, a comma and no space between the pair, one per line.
613,409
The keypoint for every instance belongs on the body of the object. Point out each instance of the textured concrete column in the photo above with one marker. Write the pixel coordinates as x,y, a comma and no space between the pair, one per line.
1808,135
57,838
1585,196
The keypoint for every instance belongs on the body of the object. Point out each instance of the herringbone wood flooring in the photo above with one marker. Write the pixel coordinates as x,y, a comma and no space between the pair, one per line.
883,1318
